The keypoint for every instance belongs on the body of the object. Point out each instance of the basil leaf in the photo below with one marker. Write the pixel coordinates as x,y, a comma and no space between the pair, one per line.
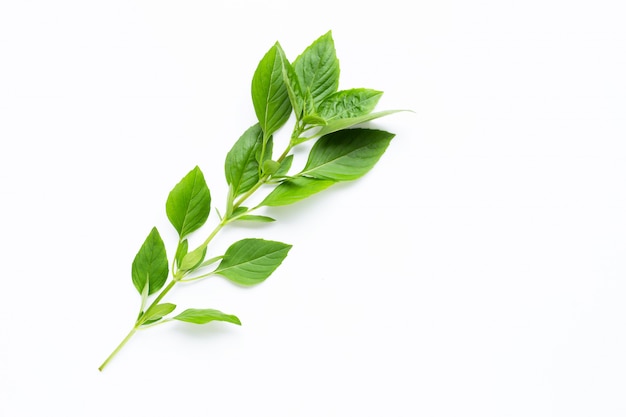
251,261
341,124
347,154
240,214
295,189
314,120
270,167
181,251
296,97
193,259
239,211
256,218
205,315
283,169
269,145
159,311
150,264
242,167
317,68
189,203
269,92
349,103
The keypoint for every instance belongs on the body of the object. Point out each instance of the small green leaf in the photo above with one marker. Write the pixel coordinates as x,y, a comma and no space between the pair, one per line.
347,154
349,103
294,190
314,120
159,311
242,167
269,92
251,261
296,97
209,261
193,259
239,211
206,315
150,264
284,166
256,218
261,156
189,203
317,68
181,251
270,167
342,124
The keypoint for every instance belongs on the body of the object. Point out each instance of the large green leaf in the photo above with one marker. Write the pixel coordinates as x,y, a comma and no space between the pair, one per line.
251,261
205,315
269,92
242,167
341,124
295,189
348,103
150,264
346,154
189,203
317,68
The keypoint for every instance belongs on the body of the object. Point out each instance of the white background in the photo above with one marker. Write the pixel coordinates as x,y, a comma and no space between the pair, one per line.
477,270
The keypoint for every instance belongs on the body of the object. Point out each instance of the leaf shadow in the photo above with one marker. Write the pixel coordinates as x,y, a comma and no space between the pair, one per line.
205,331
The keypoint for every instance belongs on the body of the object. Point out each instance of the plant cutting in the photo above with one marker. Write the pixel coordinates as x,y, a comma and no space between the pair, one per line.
306,88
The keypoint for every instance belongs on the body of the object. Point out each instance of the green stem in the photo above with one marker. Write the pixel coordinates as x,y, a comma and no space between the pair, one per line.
138,323
297,130
118,348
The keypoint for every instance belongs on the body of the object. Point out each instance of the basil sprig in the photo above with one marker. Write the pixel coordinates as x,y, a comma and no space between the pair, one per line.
308,89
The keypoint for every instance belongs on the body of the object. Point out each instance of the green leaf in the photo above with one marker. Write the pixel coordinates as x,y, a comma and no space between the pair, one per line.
189,203
349,103
251,261
347,154
261,157
269,92
314,120
317,68
239,211
341,124
283,169
206,315
256,218
295,189
159,311
150,264
209,261
181,251
270,167
193,259
296,97
242,167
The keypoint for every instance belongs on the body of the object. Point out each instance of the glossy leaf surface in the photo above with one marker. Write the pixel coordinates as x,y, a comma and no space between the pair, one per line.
189,203
206,315
150,264
347,154
269,92
251,261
